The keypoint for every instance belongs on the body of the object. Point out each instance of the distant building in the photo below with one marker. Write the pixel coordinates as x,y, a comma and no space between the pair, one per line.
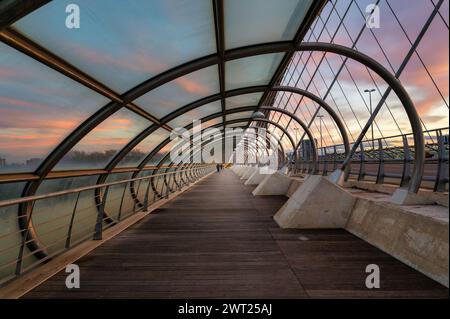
2,162
306,149
33,162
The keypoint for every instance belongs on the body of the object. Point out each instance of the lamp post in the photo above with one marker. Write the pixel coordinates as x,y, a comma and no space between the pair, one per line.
296,132
371,124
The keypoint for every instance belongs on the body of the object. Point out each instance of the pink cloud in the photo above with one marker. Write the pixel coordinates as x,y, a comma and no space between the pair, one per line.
191,86
23,103
6,73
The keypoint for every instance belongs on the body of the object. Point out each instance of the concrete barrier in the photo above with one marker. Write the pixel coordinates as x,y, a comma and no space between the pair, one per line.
242,171
424,197
317,203
417,235
273,184
255,179
249,172
295,184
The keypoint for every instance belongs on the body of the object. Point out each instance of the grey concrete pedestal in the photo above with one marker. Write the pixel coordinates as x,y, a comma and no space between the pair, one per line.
317,203
274,184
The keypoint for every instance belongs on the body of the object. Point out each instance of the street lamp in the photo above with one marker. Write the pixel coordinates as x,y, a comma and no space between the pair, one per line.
296,132
371,124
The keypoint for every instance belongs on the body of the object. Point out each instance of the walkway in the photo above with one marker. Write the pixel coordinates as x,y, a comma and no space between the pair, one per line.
218,241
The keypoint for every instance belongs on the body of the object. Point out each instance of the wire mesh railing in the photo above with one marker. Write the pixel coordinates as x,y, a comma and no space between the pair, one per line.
387,160
56,222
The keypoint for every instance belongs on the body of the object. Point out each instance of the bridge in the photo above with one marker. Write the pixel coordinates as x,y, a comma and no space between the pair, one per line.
156,150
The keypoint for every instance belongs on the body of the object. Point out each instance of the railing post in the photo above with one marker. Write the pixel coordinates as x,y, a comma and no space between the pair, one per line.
25,238
442,170
181,173
334,158
69,231
325,162
309,160
154,188
98,233
186,174
173,185
135,202
119,216
147,191
178,182
380,175
362,163
167,186
406,173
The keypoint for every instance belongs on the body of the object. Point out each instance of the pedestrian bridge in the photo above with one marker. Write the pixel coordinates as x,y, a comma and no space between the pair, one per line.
217,240
115,117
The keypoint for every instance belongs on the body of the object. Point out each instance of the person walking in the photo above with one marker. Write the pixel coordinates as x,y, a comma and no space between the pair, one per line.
217,167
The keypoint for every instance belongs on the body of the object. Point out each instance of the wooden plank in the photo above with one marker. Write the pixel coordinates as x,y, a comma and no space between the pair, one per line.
219,241
34,278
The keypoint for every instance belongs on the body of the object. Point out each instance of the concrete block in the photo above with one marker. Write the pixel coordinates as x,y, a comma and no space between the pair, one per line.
317,203
431,197
242,170
296,183
402,197
337,177
248,172
416,235
255,179
273,184
237,169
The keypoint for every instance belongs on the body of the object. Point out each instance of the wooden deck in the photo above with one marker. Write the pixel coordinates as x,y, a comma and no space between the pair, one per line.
218,241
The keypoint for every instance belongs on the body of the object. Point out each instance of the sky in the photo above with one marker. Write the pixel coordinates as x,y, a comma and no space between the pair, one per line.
126,43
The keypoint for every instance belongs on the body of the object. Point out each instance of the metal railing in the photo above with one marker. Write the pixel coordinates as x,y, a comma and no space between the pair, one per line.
386,160
58,221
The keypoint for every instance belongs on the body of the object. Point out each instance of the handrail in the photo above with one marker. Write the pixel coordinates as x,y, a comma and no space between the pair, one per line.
46,230
426,133
7,177
383,153
80,189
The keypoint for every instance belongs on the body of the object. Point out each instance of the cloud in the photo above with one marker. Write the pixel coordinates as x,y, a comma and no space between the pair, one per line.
191,86
135,62
7,73
23,103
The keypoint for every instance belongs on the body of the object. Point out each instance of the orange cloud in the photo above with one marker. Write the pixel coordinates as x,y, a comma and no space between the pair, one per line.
114,125
13,118
28,145
23,103
191,86
122,121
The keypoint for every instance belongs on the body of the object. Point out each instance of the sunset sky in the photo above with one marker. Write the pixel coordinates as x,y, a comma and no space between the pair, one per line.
126,43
